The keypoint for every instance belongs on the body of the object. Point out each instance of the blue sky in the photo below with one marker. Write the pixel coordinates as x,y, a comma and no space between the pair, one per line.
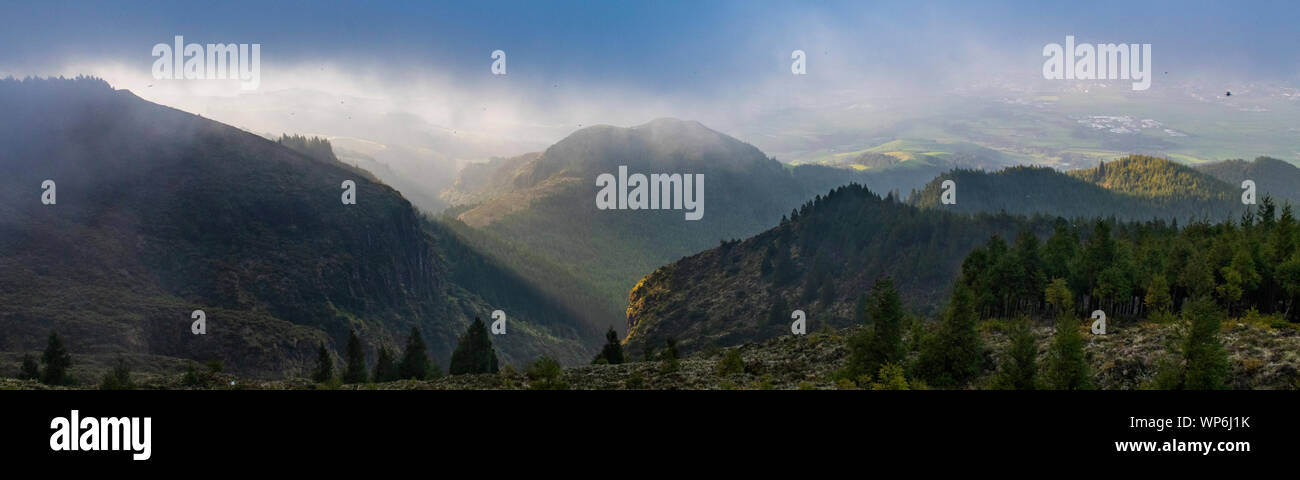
425,65
655,45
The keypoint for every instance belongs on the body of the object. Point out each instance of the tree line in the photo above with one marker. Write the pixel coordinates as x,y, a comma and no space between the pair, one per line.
952,353
1139,270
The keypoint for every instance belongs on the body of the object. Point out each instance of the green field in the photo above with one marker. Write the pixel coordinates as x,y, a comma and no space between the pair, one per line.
1047,129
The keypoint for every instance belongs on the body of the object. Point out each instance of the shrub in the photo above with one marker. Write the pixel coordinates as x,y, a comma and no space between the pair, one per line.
731,363
546,374
891,378
635,381
119,378
30,369
191,378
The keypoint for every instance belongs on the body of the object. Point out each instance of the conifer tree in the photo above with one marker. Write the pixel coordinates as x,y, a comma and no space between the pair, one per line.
385,366
883,342
886,312
1157,298
954,353
324,365
474,352
612,353
57,361
355,371
1019,368
1067,367
1205,360
415,360
30,369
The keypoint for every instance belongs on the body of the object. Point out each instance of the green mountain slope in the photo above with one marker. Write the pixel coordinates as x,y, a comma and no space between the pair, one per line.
820,261
160,213
1274,177
543,205
1132,188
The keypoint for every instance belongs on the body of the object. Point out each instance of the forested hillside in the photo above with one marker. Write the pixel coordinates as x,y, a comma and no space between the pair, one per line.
542,206
822,260
1274,177
1132,188
160,213
1139,270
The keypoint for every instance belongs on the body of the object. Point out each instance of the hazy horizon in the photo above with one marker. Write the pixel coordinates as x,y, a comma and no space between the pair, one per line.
411,85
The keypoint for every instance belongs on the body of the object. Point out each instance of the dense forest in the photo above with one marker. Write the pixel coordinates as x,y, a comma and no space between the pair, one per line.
1272,176
827,254
1137,270
822,259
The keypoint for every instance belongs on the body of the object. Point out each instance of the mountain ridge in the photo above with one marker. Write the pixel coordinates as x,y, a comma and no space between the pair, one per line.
182,213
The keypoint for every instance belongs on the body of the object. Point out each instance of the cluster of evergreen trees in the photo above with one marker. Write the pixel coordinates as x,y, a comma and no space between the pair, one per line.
474,354
315,147
953,354
57,361
1144,269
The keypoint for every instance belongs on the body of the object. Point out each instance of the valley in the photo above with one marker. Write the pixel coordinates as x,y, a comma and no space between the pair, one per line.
523,235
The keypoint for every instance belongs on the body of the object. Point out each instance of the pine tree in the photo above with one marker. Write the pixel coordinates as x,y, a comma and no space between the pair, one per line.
57,361
612,353
1030,278
886,312
1098,253
883,342
1060,250
1067,368
474,352
385,366
324,365
1019,369
1205,360
1197,276
1157,297
954,353
415,360
356,368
